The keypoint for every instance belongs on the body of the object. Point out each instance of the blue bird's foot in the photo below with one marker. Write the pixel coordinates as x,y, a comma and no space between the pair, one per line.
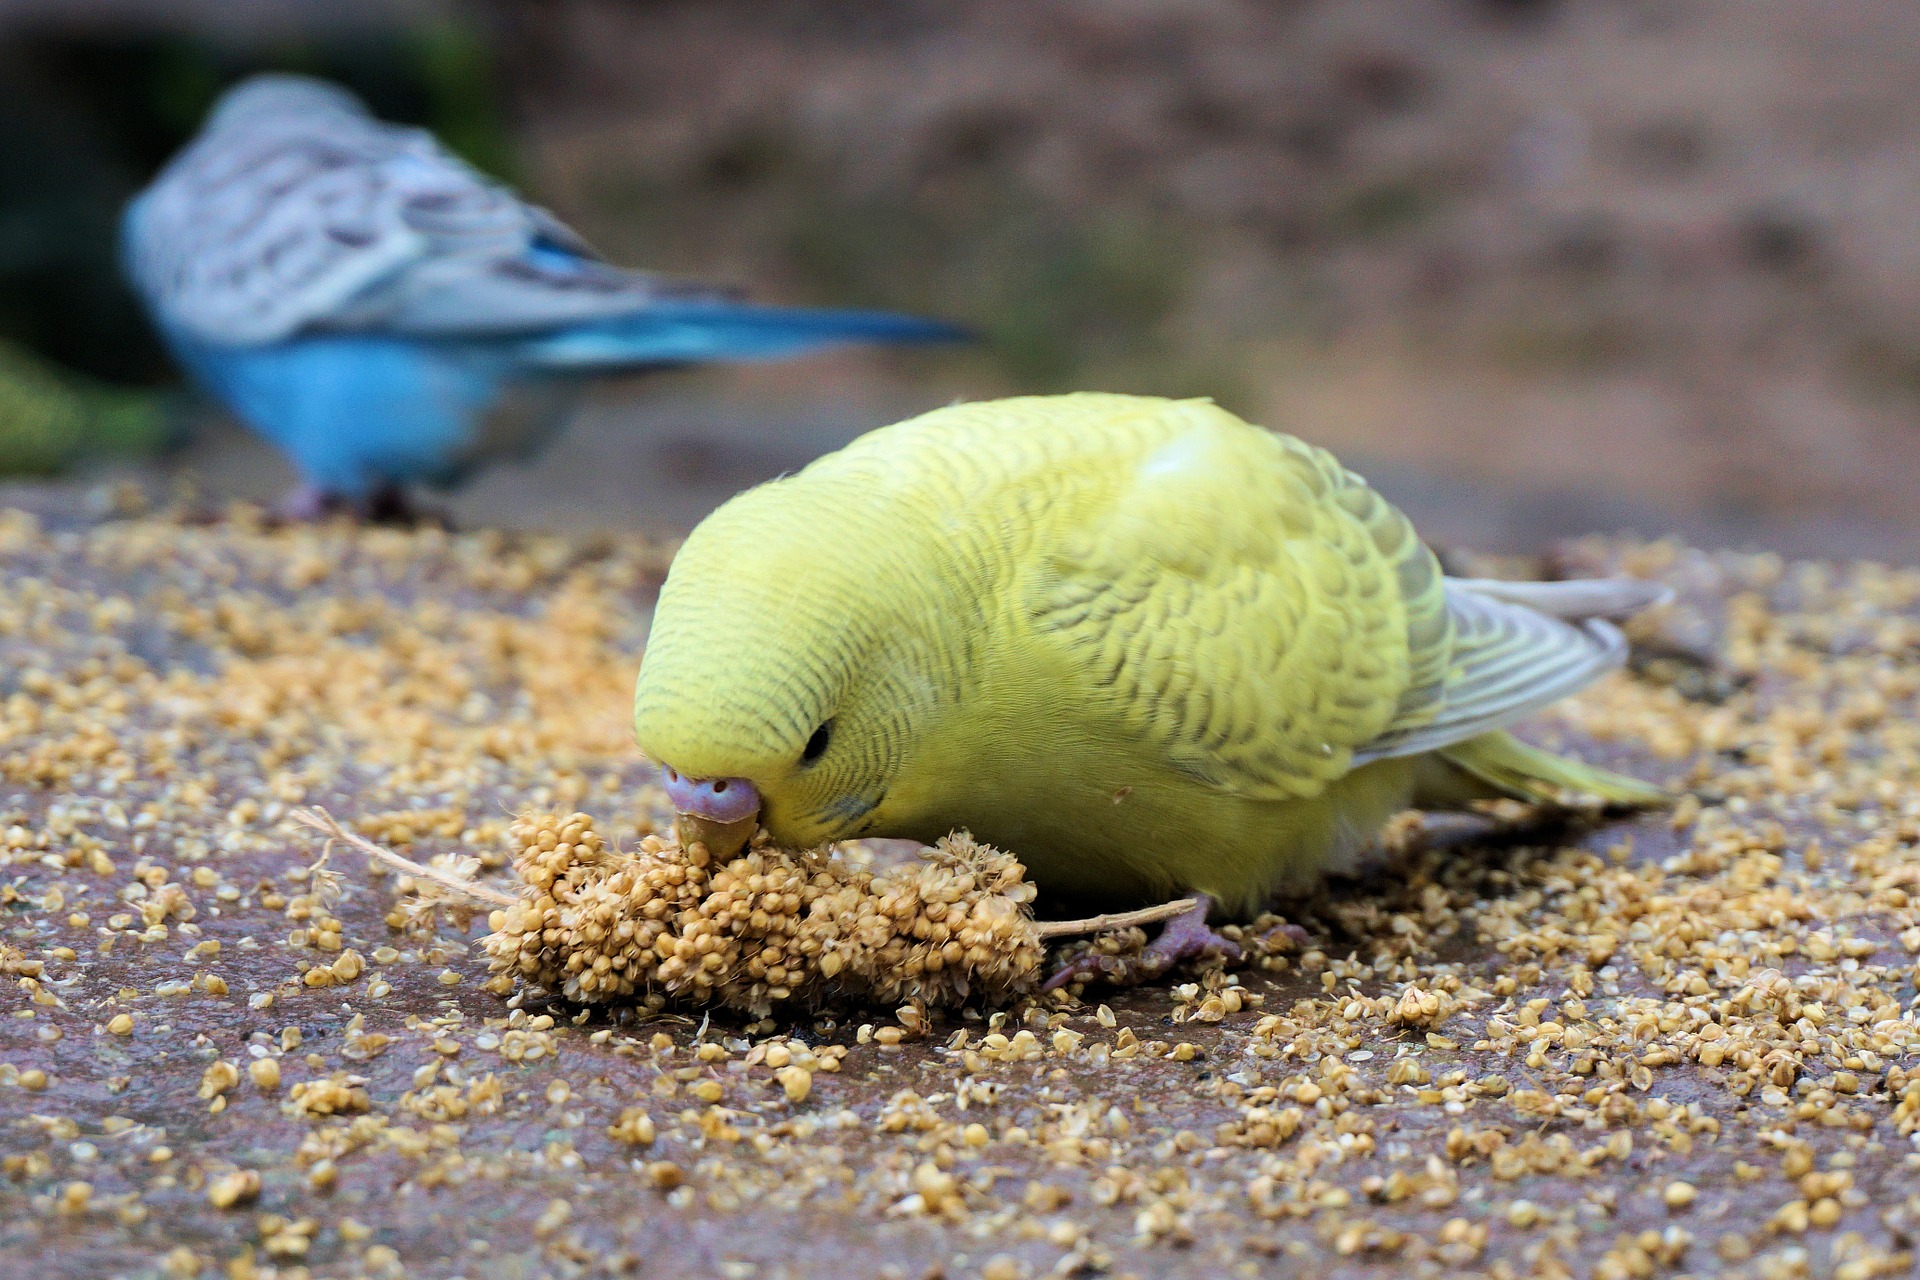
1184,937
310,504
389,504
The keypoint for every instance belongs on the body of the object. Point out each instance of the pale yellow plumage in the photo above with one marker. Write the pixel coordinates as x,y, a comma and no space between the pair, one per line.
1145,646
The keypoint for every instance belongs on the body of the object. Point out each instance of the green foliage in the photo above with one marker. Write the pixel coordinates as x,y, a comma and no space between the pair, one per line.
49,417
456,72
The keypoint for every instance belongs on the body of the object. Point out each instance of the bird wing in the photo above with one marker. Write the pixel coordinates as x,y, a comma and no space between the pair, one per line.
1250,608
1511,649
320,217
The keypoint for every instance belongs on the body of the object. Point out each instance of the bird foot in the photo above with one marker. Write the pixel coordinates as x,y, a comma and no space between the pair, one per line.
310,504
1184,937
391,504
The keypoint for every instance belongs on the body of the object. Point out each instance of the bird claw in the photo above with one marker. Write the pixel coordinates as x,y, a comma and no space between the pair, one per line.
310,504
393,505
1184,937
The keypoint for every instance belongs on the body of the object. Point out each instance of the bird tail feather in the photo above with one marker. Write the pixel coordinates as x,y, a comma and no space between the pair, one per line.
1513,768
694,332
1574,599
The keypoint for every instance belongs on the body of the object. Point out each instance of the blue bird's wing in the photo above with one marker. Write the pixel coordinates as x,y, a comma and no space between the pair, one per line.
385,313
295,211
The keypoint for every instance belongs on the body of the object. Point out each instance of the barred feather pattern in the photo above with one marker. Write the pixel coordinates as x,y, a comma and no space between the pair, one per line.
295,210
1147,646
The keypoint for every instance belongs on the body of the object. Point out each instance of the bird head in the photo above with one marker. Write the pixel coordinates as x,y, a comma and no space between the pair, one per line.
279,95
787,675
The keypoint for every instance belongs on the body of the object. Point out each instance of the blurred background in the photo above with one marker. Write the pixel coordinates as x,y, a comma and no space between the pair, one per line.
1535,268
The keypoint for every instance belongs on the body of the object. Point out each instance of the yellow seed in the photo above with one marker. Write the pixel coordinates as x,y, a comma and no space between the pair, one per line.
553,1218
1000,1267
219,1077
1679,1195
121,1024
634,1126
796,1081
1792,1216
230,1189
265,1073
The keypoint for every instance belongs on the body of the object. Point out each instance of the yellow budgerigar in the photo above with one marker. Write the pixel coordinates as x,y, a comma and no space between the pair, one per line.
1149,648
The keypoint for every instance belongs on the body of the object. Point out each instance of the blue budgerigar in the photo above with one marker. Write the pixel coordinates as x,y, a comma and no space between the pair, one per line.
386,315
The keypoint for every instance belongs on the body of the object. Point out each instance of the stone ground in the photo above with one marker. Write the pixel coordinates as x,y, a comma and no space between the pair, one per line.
1673,1044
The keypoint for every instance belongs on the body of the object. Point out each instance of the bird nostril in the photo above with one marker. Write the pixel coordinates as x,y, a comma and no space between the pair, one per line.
719,786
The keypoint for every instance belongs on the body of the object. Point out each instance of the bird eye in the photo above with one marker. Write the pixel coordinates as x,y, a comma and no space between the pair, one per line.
817,744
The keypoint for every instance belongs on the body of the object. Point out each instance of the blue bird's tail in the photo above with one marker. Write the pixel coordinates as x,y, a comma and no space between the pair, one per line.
697,332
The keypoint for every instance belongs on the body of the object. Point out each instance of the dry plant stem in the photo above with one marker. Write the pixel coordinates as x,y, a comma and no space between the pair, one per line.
1114,920
326,824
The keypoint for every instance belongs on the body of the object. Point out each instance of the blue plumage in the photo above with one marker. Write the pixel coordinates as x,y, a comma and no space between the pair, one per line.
387,316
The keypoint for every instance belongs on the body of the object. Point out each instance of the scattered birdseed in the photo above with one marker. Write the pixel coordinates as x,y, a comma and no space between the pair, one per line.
236,1188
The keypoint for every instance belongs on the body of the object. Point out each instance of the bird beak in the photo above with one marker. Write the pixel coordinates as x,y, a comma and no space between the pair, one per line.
719,813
